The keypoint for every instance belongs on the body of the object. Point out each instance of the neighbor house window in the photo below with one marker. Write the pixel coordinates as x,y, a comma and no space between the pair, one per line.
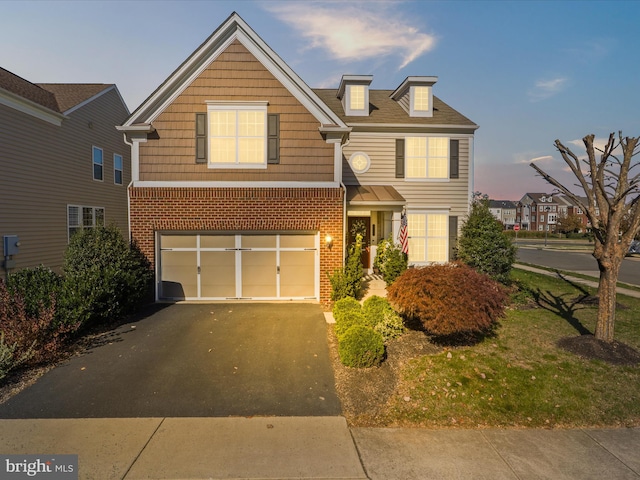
98,163
117,169
427,157
428,237
79,217
238,136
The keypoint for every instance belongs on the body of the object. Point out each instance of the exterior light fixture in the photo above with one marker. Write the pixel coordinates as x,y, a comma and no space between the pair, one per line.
328,239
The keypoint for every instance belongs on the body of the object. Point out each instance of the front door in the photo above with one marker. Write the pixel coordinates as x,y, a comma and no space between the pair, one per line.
361,225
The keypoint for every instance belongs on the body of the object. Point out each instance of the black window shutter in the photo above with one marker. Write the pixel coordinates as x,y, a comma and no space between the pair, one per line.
453,237
273,138
201,138
399,157
454,158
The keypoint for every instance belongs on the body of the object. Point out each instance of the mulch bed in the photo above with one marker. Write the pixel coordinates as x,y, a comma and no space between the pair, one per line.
590,347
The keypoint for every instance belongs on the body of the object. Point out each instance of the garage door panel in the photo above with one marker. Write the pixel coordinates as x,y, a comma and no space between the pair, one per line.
217,241
217,274
259,274
297,241
179,241
297,274
179,274
258,241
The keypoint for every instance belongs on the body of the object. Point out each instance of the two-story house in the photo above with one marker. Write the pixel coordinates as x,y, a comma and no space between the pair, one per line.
246,183
63,165
504,211
537,212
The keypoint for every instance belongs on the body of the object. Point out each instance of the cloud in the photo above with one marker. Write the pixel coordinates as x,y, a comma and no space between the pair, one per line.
543,159
351,32
544,89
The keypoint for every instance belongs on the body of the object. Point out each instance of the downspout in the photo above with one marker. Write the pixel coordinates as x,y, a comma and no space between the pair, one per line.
129,186
344,208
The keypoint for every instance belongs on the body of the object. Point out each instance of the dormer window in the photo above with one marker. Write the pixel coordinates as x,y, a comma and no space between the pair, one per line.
354,93
415,96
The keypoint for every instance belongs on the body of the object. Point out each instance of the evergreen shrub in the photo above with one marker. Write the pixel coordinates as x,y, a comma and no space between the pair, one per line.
361,347
389,260
105,276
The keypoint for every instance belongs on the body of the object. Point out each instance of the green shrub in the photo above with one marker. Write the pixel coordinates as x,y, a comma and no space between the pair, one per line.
6,357
483,245
361,347
373,309
345,305
38,287
346,282
389,260
390,326
449,300
348,320
105,277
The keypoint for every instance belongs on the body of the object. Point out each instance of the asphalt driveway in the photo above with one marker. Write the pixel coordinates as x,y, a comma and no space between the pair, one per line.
195,360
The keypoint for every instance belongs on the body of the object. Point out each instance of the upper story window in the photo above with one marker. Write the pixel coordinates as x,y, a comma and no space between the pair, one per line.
359,162
354,94
421,102
98,163
356,97
427,157
238,135
117,169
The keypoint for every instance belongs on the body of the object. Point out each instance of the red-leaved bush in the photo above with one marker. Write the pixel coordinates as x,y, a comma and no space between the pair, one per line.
448,300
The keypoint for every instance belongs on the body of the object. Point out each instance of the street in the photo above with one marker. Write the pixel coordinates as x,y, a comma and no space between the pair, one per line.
575,261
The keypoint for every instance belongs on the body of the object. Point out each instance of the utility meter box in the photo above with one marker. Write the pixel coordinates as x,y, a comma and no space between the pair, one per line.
11,245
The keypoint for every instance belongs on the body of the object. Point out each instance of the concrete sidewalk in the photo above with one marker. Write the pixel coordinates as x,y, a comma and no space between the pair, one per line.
580,281
320,448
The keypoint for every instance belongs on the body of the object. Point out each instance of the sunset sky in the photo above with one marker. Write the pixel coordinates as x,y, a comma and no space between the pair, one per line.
526,72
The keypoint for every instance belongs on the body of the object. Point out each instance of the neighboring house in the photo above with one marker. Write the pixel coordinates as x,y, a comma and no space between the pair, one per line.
504,211
63,164
568,207
537,212
240,172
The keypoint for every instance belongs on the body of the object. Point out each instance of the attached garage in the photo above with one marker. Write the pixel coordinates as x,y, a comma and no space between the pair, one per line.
206,266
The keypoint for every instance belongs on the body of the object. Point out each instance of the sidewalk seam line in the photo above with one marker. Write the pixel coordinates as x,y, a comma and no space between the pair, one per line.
493,447
143,448
355,444
609,452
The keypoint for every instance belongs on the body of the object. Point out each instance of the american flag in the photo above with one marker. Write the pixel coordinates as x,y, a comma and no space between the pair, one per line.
402,235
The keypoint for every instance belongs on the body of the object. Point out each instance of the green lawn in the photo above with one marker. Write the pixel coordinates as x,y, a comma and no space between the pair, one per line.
520,377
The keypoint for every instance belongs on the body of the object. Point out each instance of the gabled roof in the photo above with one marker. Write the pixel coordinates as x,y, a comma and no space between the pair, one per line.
234,28
383,110
537,197
502,204
69,95
57,98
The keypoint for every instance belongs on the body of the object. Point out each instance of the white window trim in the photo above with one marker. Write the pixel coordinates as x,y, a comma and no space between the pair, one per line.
213,105
364,112
121,170
445,179
366,169
80,225
427,212
412,96
94,163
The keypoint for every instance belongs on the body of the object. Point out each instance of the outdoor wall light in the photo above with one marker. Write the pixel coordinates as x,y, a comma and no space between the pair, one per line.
329,241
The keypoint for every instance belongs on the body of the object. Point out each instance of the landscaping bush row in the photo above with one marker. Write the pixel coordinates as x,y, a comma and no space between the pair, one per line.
363,330
104,278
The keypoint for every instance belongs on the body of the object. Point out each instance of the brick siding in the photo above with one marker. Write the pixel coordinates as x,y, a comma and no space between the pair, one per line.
241,209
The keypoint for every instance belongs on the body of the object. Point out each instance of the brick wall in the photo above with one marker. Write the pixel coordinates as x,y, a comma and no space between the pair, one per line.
241,209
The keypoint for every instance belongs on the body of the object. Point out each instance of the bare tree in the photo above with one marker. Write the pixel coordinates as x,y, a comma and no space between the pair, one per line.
612,207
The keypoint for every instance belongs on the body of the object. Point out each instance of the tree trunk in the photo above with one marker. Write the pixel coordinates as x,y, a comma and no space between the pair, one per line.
607,301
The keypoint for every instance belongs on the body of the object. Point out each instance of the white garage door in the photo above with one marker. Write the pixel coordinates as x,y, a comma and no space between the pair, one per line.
222,267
